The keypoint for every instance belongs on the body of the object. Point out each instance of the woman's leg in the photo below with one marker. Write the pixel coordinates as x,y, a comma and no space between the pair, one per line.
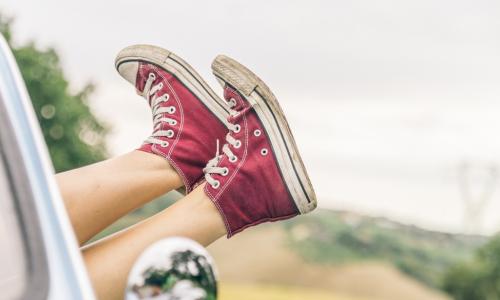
186,126
109,260
97,195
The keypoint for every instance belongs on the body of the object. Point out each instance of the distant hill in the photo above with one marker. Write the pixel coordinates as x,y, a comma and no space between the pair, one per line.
337,237
259,264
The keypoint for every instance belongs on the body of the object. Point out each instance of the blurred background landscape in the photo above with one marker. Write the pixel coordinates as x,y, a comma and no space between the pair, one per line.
394,105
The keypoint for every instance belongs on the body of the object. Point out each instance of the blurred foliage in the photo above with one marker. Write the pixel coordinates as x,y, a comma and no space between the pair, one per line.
478,278
338,237
74,136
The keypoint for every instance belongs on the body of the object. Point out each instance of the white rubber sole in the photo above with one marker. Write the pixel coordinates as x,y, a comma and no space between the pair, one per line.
178,68
271,115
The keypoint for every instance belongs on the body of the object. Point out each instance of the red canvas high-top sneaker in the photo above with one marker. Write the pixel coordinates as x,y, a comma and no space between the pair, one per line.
259,176
188,117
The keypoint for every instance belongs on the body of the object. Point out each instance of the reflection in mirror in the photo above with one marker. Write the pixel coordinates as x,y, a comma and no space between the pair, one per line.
173,269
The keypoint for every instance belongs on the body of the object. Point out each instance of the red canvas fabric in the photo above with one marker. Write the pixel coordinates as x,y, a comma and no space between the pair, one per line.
253,191
196,131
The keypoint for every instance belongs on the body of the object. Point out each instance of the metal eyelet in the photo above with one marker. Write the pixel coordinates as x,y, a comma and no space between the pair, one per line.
264,151
233,159
216,184
160,85
237,144
237,128
172,110
257,132
225,171
173,122
152,76
232,102
170,133
164,144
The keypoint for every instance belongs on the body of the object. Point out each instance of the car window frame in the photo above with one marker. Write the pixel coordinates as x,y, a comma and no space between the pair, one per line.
37,273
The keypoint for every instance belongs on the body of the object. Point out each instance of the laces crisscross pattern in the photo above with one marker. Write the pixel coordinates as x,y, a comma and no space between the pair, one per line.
212,165
159,112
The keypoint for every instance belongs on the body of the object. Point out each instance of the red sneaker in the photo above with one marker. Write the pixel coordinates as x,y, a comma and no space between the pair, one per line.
188,117
260,176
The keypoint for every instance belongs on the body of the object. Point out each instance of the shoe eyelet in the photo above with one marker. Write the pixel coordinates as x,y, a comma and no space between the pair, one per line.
152,76
257,132
233,159
164,144
225,171
237,128
232,102
170,133
173,122
160,85
171,110
264,151
216,184
237,144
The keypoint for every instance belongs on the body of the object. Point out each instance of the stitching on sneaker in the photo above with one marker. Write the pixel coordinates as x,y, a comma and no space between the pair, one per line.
273,219
168,155
187,184
219,208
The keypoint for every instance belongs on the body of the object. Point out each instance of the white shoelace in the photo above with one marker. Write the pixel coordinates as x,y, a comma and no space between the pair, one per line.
211,167
150,93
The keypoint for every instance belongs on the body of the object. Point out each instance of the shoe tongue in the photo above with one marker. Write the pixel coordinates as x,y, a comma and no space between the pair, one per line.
242,105
142,76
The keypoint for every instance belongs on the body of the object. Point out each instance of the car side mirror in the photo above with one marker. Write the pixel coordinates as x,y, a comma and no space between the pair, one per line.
173,269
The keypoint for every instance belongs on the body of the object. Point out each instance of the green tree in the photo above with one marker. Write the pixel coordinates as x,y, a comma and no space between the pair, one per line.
74,136
478,279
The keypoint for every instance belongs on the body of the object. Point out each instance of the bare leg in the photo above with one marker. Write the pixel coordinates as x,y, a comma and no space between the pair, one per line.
97,195
109,260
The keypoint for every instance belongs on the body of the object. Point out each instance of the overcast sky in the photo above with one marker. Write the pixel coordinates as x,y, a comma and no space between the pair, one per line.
386,97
